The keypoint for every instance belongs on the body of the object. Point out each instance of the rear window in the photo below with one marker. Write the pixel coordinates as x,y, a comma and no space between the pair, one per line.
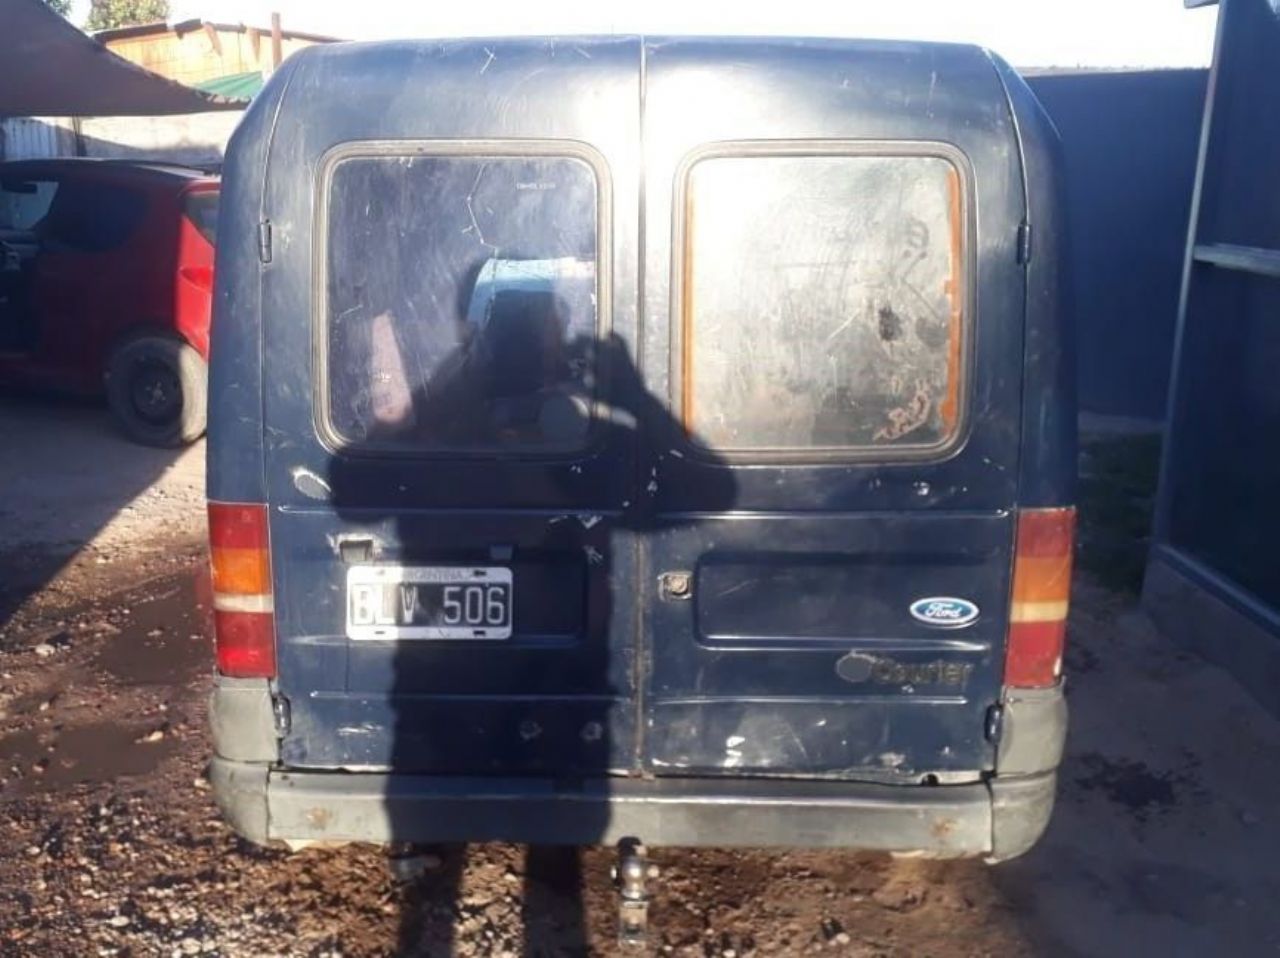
823,303
202,210
90,217
461,301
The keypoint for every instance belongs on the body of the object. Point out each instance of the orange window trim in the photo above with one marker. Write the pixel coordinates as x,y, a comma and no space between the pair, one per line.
950,407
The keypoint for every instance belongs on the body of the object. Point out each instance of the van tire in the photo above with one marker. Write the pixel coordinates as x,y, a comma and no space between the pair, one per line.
157,388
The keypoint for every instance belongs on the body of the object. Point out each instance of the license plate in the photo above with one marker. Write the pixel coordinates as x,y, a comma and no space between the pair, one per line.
428,602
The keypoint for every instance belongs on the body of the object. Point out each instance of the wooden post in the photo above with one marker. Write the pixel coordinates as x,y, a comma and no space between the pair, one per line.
277,42
215,41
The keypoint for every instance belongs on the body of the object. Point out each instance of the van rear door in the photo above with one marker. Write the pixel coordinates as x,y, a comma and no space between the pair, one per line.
834,305
448,455
761,525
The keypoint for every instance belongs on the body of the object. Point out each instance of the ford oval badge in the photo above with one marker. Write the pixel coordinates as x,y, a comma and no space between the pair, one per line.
944,612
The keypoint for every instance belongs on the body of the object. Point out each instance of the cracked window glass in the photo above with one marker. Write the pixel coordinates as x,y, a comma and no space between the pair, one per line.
822,302
461,301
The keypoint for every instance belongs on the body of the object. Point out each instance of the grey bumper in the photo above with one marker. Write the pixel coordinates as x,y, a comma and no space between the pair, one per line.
999,819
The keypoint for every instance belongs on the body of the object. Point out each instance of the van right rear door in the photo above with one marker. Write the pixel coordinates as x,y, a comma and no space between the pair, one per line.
833,307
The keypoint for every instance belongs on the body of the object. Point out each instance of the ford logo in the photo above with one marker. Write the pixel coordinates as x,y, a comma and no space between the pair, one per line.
944,612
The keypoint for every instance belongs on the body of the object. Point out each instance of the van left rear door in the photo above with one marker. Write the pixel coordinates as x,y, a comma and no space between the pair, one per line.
449,310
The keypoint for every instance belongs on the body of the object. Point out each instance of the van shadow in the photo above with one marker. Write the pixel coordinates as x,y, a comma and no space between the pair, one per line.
556,708
65,475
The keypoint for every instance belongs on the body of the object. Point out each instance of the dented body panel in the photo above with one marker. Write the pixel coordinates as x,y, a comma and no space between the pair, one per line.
721,352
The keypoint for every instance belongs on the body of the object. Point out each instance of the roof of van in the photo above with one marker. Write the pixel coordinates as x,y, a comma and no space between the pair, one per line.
544,87
381,69
343,73
571,45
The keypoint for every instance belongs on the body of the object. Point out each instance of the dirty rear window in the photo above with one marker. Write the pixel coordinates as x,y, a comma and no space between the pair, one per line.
461,301
823,303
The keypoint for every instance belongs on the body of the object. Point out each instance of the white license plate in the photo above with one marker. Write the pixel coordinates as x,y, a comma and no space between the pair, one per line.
428,602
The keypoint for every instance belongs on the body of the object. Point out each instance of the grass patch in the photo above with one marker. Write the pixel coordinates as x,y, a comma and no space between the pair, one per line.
1116,499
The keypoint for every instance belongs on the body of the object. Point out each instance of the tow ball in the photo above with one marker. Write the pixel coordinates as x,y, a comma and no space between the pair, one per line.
632,870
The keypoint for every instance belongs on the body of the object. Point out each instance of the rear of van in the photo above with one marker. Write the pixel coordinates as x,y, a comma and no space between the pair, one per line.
664,438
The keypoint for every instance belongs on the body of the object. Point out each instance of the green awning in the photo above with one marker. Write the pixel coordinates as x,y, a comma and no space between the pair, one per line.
236,86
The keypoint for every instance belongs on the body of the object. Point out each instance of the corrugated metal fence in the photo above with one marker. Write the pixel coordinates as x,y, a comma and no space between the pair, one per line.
197,138
25,138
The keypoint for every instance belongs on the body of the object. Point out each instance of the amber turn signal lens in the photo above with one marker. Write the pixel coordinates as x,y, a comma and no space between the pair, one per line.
1041,597
244,610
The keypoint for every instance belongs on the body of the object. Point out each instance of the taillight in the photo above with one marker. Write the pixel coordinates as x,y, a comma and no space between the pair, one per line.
200,277
243,610
1041,596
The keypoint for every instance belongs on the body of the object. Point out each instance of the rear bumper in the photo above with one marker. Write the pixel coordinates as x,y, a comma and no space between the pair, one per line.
999,819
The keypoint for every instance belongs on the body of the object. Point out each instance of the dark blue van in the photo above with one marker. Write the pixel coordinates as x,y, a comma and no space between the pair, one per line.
668,439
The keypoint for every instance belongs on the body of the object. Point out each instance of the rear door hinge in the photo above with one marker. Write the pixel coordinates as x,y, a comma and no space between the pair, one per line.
1024,243
994,725
264,241
280,710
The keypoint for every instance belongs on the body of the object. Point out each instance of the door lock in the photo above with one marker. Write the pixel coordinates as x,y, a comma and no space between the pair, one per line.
676,586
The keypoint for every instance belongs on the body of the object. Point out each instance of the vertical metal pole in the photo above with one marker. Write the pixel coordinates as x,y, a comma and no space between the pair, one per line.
1164,485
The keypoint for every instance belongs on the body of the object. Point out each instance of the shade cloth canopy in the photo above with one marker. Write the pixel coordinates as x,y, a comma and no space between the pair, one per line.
49,68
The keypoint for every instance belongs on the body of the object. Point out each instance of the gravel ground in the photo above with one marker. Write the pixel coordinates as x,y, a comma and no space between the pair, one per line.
110,843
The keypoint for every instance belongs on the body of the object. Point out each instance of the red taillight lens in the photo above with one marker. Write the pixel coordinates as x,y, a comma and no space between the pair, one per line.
1041,597
200,277
243,609
246,644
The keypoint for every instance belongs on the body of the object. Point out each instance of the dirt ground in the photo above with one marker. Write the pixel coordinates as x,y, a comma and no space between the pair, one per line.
110,843
81,510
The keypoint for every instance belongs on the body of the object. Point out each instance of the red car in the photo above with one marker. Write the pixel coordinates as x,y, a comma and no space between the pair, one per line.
106,282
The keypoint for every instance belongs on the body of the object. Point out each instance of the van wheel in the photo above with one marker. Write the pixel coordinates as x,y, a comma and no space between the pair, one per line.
157,389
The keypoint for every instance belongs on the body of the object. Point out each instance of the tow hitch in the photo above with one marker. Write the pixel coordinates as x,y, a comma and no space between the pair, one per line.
629,875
